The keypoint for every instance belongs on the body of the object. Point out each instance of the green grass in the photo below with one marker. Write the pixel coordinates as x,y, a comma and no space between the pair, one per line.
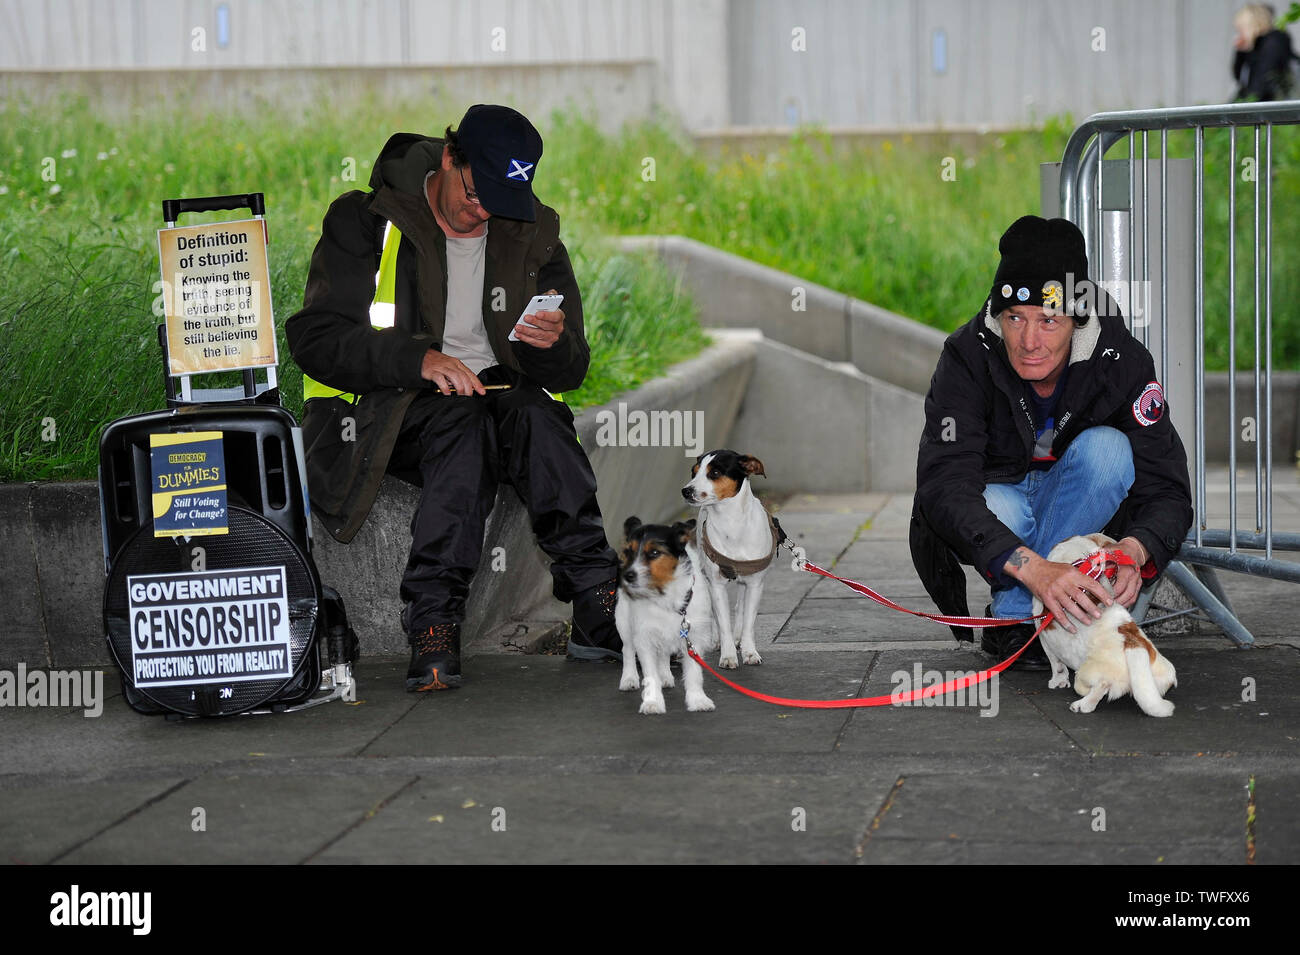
882,223
879,223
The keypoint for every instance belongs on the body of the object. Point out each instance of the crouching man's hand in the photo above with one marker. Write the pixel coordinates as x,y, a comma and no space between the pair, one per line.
1128,580
1061,587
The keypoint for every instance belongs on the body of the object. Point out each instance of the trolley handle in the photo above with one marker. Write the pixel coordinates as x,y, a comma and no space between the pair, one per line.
253,201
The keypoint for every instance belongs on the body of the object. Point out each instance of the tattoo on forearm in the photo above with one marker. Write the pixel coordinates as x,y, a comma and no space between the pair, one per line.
1019,557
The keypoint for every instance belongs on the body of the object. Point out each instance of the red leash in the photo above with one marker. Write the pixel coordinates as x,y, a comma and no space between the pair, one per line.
936,617
951,686
1103,562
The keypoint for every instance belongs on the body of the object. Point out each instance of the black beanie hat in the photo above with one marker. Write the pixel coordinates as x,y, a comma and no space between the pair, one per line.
1044,263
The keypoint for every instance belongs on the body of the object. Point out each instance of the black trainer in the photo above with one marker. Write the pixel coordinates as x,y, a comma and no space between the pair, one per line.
1009,640
1001,642
435,658
594,635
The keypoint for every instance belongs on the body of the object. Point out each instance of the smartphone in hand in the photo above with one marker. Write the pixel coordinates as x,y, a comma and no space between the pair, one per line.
538,303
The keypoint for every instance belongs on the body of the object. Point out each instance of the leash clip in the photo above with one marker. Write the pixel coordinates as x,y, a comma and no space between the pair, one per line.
800,561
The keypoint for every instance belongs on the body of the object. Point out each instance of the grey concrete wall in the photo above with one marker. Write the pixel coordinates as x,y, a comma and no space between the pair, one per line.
822,426
734,292
942,62
1285,428
716,63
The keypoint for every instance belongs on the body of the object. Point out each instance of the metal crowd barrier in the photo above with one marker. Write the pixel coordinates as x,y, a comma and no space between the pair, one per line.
1208,546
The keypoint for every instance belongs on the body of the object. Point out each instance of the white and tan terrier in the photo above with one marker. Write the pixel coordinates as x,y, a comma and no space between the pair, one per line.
1111,655
738,539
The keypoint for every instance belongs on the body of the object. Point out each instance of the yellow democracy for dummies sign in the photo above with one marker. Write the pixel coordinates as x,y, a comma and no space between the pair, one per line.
188,471
216,294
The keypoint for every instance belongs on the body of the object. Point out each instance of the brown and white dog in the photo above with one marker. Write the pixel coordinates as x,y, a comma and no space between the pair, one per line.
1111,656
660,585
738,539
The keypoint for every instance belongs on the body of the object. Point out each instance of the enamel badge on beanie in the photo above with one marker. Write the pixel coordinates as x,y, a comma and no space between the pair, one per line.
1041,259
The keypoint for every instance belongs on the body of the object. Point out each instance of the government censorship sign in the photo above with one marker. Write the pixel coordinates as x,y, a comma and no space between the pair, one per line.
217,626
216,296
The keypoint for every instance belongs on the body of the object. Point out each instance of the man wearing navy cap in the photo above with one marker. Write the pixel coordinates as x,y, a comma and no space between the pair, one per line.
410,327
1044,420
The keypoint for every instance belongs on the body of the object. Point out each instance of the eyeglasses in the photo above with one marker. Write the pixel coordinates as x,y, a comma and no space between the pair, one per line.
470,194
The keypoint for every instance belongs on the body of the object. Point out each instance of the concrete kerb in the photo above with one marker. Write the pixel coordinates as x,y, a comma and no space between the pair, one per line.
731,291
51,562
821,426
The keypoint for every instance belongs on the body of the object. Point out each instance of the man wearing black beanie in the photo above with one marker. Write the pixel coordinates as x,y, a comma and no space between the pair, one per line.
1044,420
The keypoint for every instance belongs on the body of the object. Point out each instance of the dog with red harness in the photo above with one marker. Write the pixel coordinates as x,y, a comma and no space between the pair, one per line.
1110,656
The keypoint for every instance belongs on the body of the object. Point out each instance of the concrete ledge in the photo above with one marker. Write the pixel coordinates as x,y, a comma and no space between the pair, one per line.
611,92
731,291
1286,418
822,426
52,569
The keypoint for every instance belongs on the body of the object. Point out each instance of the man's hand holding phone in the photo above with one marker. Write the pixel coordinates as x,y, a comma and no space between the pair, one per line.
542,322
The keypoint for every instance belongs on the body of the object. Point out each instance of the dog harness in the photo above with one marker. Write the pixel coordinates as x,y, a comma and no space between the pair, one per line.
1107,563
732,568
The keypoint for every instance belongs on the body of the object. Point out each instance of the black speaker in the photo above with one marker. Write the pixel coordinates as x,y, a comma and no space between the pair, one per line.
214,624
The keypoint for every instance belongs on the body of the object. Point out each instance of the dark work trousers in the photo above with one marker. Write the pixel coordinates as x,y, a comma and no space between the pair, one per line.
458,449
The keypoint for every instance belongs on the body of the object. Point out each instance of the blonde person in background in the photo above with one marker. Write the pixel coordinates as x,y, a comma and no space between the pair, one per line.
1262,63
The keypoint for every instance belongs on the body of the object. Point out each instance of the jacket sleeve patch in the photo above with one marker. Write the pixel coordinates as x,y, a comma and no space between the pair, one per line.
1150,405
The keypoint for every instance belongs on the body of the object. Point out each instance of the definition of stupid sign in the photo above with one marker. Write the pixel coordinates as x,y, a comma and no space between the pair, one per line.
217,297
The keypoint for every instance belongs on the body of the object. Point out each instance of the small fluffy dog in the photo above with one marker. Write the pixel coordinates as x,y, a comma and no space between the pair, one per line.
1111,656
659,581
738,539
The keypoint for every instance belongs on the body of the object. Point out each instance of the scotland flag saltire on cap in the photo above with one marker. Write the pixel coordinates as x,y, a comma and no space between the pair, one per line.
503,150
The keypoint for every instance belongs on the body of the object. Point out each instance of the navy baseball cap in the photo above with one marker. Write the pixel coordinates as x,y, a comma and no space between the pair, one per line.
503,150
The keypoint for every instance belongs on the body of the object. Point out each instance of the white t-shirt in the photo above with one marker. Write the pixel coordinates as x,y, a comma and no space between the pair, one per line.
464,334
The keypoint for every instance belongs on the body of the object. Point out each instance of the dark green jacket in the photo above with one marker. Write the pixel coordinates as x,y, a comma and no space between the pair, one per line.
331,338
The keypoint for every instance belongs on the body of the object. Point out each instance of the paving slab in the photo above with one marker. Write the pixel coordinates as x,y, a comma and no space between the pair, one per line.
857,619
46,741
547,705
580,776
256,820
1078,815
954,724
1210,716
41,823
616,819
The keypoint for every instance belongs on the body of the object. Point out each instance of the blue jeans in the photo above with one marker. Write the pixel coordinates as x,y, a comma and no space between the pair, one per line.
1079,494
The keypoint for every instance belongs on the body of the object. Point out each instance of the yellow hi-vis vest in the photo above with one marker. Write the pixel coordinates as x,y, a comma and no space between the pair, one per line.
383,310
